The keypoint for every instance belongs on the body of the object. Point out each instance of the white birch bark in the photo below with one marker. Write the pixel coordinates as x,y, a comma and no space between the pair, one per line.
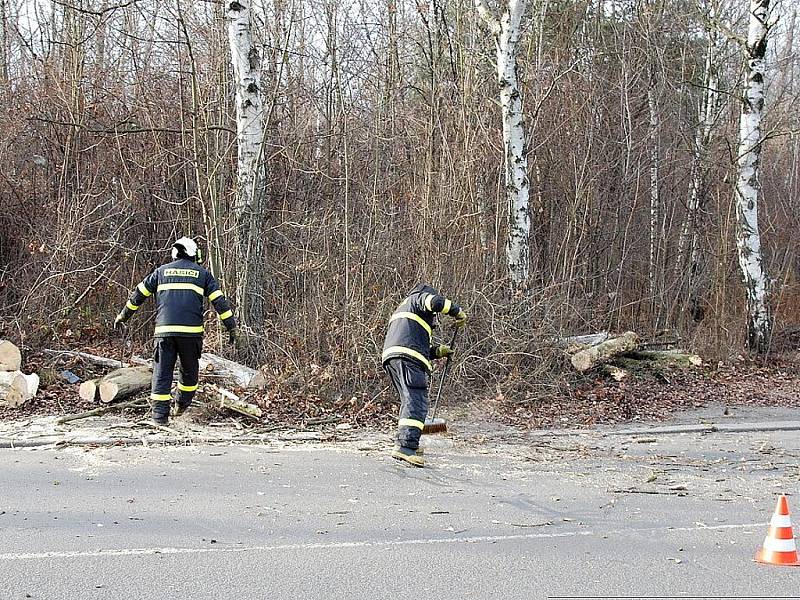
655,200
506,33
249,136
759,324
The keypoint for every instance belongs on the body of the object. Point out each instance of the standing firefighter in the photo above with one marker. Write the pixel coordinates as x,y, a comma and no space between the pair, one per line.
407,355
180,288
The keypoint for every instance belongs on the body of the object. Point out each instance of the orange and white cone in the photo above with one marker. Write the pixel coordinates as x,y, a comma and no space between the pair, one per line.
779,547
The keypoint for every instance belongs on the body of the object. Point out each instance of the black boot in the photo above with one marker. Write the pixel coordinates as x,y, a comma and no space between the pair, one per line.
161,412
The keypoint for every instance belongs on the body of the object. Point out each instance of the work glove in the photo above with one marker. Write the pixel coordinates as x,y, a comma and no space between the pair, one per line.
232,337
119,322
461,320
444,351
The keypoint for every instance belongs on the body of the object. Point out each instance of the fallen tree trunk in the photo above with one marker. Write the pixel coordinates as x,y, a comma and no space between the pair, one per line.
232,402
239,374
669,358
10,356
16,388
605,351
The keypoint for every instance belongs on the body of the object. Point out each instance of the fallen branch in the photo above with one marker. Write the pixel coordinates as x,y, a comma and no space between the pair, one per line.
231,401
92,358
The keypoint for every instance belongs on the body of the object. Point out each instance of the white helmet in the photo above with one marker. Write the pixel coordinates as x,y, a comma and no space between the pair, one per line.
186,245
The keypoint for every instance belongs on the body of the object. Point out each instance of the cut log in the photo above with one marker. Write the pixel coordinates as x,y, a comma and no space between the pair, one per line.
102,361
231,401
16,388
239,374
88,390
605,351
10,356
122,383
669,358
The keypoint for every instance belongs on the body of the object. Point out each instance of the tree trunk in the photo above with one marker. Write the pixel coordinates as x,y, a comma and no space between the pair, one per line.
655,199
689,239
672,358
506,33
605,351
239,374
251,174
10,356
748,186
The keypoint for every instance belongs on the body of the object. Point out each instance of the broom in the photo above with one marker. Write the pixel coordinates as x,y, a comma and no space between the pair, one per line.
432,424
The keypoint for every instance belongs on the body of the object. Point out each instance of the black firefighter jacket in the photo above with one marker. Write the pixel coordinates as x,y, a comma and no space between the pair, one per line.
180,288
411,326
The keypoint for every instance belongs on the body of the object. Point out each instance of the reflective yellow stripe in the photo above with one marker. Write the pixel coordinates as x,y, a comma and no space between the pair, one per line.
408,352
160,397
411,423
428,302
447,305
413,317
187,388
131,306
181,286
214,295
226,315
179,329
144,290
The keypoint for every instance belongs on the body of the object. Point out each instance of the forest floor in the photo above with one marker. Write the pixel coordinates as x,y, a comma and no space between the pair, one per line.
643,397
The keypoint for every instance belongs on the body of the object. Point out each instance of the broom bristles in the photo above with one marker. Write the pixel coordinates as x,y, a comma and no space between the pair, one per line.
435,426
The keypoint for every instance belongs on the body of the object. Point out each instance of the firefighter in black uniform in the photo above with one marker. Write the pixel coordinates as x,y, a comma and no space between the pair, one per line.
180,288
407,355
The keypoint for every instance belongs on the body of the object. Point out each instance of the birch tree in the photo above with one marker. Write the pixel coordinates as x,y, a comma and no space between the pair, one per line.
251,175
506,33
708,110
748,186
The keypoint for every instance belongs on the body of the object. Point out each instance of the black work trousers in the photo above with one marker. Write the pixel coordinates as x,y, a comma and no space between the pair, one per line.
410,379
167,351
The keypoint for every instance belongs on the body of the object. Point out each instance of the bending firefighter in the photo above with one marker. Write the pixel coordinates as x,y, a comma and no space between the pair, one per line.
180,288
407,355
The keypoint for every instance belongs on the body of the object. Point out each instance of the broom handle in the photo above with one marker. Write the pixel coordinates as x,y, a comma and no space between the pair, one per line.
444,374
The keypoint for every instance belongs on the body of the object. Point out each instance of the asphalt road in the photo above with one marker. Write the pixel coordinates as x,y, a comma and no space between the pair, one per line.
581,516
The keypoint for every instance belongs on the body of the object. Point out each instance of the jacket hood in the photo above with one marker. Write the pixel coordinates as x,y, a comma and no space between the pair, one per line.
421,288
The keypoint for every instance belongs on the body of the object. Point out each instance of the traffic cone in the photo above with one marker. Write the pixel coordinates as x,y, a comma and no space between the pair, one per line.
779,548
